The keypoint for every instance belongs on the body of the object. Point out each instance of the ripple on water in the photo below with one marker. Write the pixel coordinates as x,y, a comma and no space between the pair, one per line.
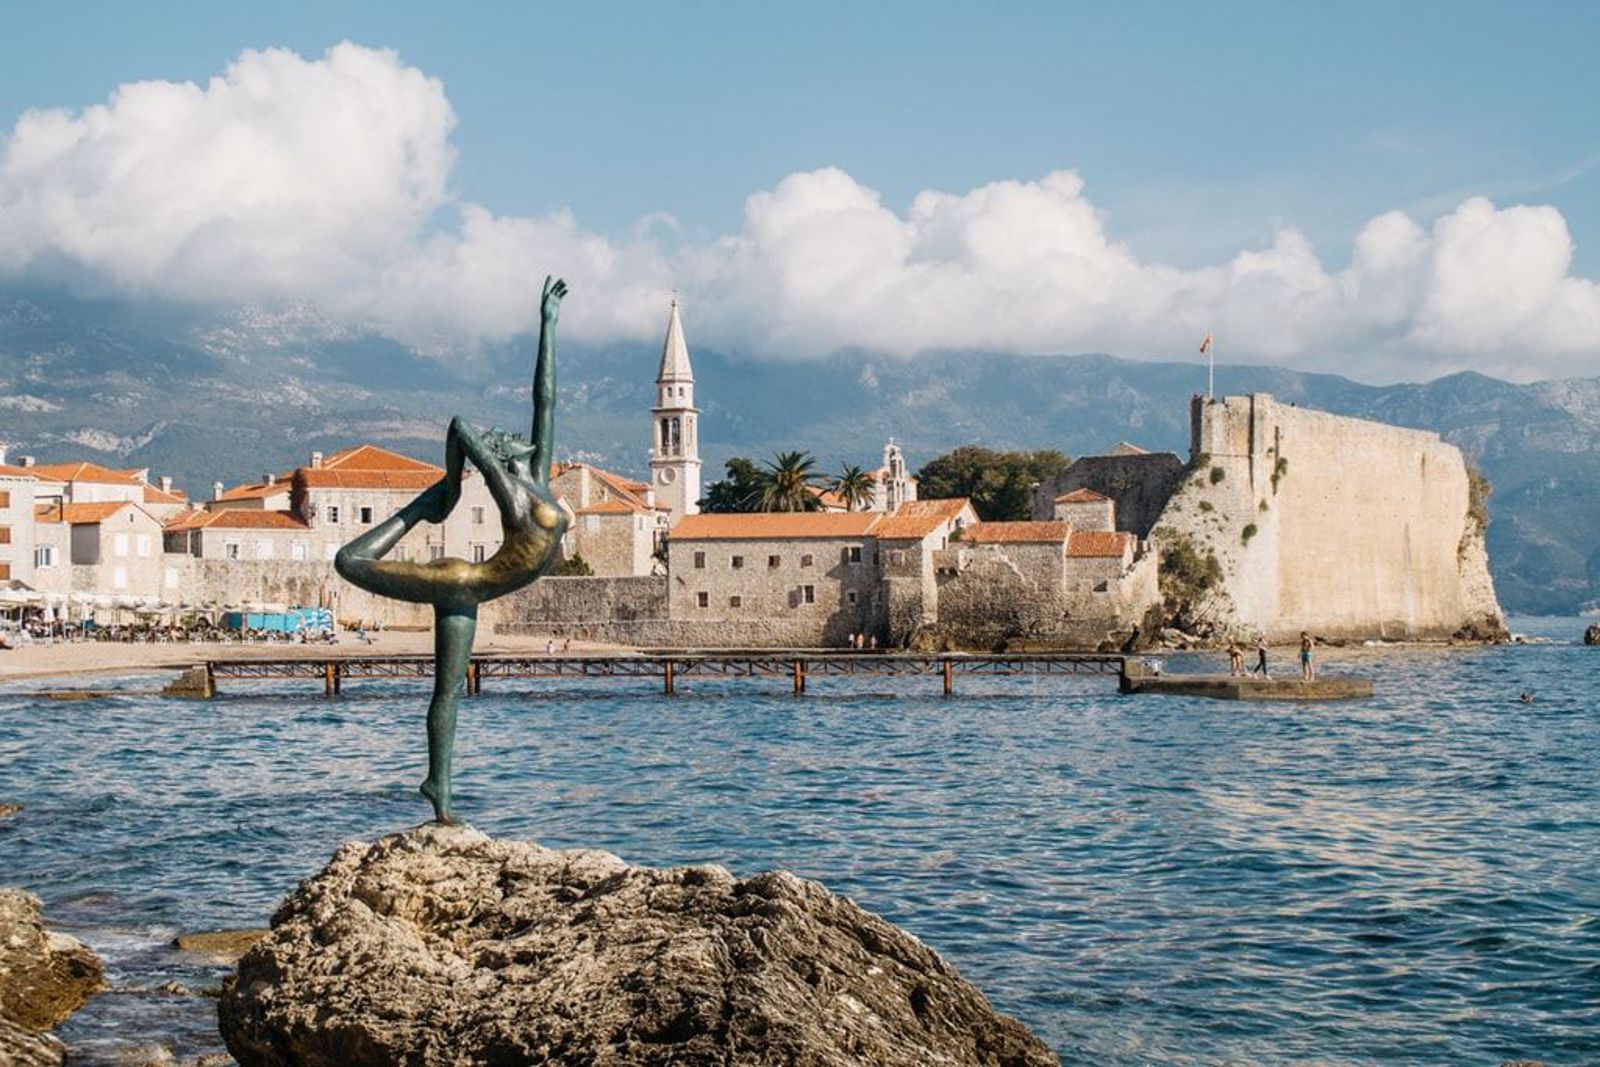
1140,880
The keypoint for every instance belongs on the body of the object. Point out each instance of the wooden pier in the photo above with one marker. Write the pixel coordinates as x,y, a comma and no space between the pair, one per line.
669,668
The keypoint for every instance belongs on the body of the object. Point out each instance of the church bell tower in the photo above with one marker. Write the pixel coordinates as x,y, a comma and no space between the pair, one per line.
675,452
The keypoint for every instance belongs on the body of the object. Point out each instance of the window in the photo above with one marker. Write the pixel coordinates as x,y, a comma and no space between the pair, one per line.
808,594
5,571
44,556
477,553
699,561
897,557
738,563
230,550
5,535
333,513
773,561
806,560
120,545
850,597
365,515
5,498
297,550
144,544
852,554
477,516
736,602
436,552
702,600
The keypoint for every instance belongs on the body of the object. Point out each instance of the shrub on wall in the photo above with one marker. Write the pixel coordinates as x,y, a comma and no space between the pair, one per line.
1247,533
1187,575
574,566
1217,474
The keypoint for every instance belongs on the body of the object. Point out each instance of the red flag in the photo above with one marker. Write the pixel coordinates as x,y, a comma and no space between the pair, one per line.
1205,346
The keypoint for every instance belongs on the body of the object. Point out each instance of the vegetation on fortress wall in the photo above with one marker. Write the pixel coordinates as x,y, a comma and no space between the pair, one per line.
1187,577
999,484
574,566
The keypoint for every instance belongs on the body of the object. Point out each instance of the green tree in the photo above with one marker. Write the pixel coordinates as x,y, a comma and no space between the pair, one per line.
999,484
739,491
789,483
854,486
574,566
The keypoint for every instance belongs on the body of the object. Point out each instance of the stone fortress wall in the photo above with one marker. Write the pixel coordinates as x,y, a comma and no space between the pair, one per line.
1343,527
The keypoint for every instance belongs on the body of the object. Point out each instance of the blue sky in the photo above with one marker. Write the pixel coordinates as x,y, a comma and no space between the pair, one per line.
1198,134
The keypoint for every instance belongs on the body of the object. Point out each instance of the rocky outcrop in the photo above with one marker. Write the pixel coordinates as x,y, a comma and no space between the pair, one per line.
1591,636
440,945
44,977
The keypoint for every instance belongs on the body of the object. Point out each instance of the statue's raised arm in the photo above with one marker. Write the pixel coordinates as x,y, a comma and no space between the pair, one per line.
543,431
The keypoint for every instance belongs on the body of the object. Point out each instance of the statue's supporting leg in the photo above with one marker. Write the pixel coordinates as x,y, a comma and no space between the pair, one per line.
453,631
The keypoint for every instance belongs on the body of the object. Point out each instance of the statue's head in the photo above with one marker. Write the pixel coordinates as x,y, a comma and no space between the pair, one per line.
511,449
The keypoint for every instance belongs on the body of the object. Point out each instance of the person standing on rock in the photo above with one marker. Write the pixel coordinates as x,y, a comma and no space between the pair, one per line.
517,475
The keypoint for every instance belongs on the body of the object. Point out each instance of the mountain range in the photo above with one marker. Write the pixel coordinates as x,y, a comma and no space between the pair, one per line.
227,395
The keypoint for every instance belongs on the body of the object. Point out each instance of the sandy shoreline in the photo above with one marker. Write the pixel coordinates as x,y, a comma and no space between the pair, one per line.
89,658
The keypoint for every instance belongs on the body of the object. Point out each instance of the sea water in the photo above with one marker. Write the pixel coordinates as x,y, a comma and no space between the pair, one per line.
1414,878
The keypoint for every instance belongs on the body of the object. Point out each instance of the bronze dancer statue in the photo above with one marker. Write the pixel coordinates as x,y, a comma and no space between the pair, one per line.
517,475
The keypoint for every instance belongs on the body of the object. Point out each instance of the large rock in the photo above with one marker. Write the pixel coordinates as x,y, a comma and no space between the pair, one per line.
442,946
1591,636
44,977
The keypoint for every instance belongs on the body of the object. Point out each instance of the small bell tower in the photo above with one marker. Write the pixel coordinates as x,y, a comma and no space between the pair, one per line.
675,447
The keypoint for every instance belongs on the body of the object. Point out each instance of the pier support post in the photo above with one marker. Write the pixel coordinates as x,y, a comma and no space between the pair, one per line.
799,677
949,678
667,677
474,678
330,679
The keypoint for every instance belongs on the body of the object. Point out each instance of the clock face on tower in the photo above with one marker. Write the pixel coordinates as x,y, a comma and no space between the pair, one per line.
667,477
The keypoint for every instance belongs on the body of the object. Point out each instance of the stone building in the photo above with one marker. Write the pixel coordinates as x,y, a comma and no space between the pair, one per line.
18,547
802,577
1085,509
112,548
1137,482
675,432
614,524
907,541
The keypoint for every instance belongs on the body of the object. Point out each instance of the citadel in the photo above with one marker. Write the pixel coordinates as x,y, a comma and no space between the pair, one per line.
1280,519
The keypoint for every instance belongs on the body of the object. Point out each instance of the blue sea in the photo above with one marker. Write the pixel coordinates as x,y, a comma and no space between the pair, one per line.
1141,880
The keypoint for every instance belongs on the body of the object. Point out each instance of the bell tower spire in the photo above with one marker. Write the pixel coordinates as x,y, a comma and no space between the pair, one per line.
675,433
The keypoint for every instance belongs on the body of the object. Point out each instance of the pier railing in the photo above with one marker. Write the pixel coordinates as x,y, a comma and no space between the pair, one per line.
670,668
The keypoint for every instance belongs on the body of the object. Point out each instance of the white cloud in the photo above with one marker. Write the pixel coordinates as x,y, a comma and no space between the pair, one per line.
328,179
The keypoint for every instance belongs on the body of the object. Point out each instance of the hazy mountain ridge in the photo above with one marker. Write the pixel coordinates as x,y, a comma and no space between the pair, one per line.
230,395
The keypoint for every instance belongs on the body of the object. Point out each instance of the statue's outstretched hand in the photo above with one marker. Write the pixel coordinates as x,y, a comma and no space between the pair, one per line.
550,308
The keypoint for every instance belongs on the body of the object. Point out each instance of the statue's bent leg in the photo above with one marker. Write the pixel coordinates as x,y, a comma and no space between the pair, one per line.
453,630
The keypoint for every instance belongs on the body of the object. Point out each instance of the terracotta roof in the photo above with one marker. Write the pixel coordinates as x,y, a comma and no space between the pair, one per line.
1007,532
1096,543
624,487
368,479
373,458
611,507
84,472
257,490
78,514
775,526
235,519
1081,496
154,494
17,472
916,519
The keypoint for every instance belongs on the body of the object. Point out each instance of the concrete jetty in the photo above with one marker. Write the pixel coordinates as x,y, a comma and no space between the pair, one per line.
1136,679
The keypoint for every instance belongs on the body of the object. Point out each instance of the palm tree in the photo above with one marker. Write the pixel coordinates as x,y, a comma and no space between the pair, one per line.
786,484
855,487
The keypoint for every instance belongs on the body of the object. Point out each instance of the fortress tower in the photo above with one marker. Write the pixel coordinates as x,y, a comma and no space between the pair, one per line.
675,453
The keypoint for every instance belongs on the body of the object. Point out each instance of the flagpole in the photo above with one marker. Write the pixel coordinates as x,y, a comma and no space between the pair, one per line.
1211,367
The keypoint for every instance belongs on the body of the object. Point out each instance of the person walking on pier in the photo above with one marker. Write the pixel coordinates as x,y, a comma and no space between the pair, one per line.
1261,657
1308,668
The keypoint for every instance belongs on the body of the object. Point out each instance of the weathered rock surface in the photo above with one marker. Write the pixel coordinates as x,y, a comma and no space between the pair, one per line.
221,946
44,977
21,1047
442,946
1591,636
